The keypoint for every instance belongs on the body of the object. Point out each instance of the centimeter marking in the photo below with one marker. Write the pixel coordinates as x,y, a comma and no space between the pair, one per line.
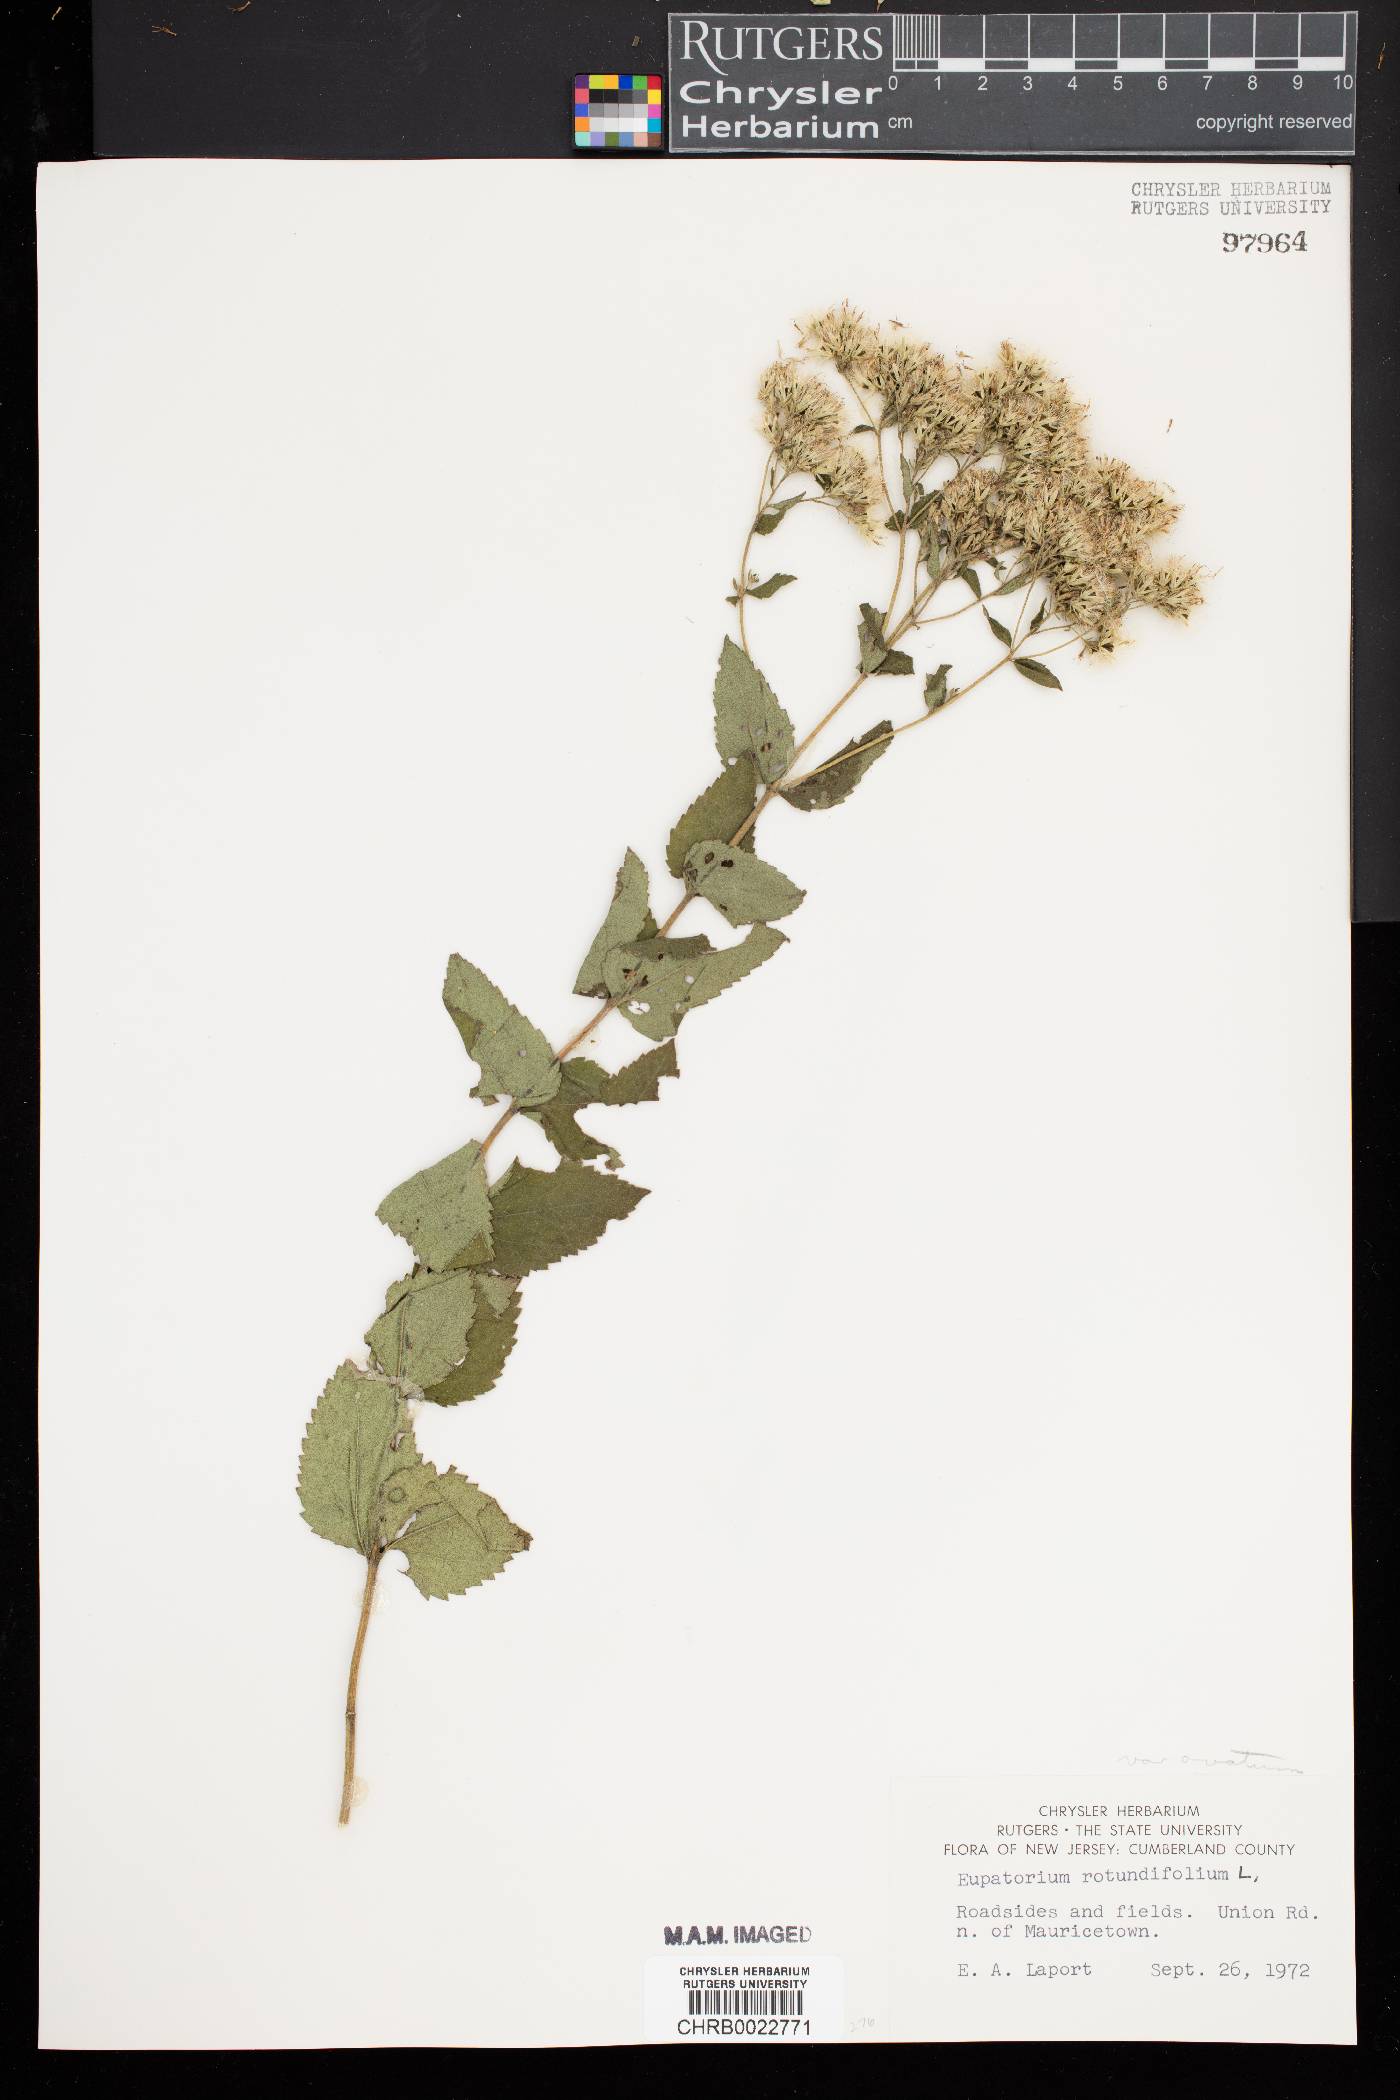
1136,43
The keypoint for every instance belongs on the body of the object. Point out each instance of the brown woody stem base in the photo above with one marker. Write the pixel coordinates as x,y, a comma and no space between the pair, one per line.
348,1789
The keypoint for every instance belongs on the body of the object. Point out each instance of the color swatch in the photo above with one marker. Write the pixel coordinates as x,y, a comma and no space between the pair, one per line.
619,110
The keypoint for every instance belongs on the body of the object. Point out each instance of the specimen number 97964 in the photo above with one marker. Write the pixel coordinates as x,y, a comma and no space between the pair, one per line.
1265,243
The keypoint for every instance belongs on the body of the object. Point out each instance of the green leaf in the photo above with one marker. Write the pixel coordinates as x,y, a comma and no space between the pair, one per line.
495,1292
834,781
717,813
459,1537
1003,634
514,1057
725,966
1041,610
1030,667
877,659
358,1460
906,481
926,500
561,1126
490,1340
870,639
748,717
770,588
1016,582
741,887
929,548
586,1084
628,919
422,1332
541,1218
658,983
443,1210
639,1081
770,519
654,982
936,692
968,575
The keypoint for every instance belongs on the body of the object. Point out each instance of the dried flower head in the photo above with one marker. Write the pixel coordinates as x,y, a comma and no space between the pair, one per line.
1028,416
1172,587
802,419
851,483
842,336
912,380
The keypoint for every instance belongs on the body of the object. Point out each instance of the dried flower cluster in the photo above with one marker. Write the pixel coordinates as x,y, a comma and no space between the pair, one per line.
1019,488
986,481
805,425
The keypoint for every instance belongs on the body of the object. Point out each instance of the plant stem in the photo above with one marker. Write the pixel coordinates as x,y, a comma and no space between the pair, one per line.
742,580
917,722
352,1688
901,627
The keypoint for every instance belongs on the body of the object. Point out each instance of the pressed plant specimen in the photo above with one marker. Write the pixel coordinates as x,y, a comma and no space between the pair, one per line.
984,487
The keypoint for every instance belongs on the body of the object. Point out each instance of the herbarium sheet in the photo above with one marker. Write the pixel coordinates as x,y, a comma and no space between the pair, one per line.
782,1478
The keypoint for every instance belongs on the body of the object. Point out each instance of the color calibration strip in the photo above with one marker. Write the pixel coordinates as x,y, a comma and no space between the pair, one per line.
617,110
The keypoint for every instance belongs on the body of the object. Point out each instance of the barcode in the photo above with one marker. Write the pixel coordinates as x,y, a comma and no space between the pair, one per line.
765,2003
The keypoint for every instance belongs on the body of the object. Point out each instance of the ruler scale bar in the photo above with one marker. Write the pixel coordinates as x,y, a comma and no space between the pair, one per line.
917,42
1198,84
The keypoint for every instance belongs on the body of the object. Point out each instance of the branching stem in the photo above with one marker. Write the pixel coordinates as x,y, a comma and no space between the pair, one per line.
789,779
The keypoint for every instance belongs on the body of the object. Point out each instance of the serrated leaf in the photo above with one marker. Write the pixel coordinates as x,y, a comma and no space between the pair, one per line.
1041,610
1003,634
877,659
586,1084
657,985
560,1124
422,1332
717,813
1030,667
770,519
459,1537
742,888
836,779
490,1340
968,575
936,692
770,587
494,1292
653,983
443,1210
639,1081
628,919
358,1460
541,1218
748,716
726,966
515,1058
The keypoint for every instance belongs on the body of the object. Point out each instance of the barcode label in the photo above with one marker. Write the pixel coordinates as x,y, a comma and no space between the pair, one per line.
727,1998
784,2002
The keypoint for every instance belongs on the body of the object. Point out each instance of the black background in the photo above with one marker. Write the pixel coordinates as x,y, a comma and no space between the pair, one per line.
428,78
